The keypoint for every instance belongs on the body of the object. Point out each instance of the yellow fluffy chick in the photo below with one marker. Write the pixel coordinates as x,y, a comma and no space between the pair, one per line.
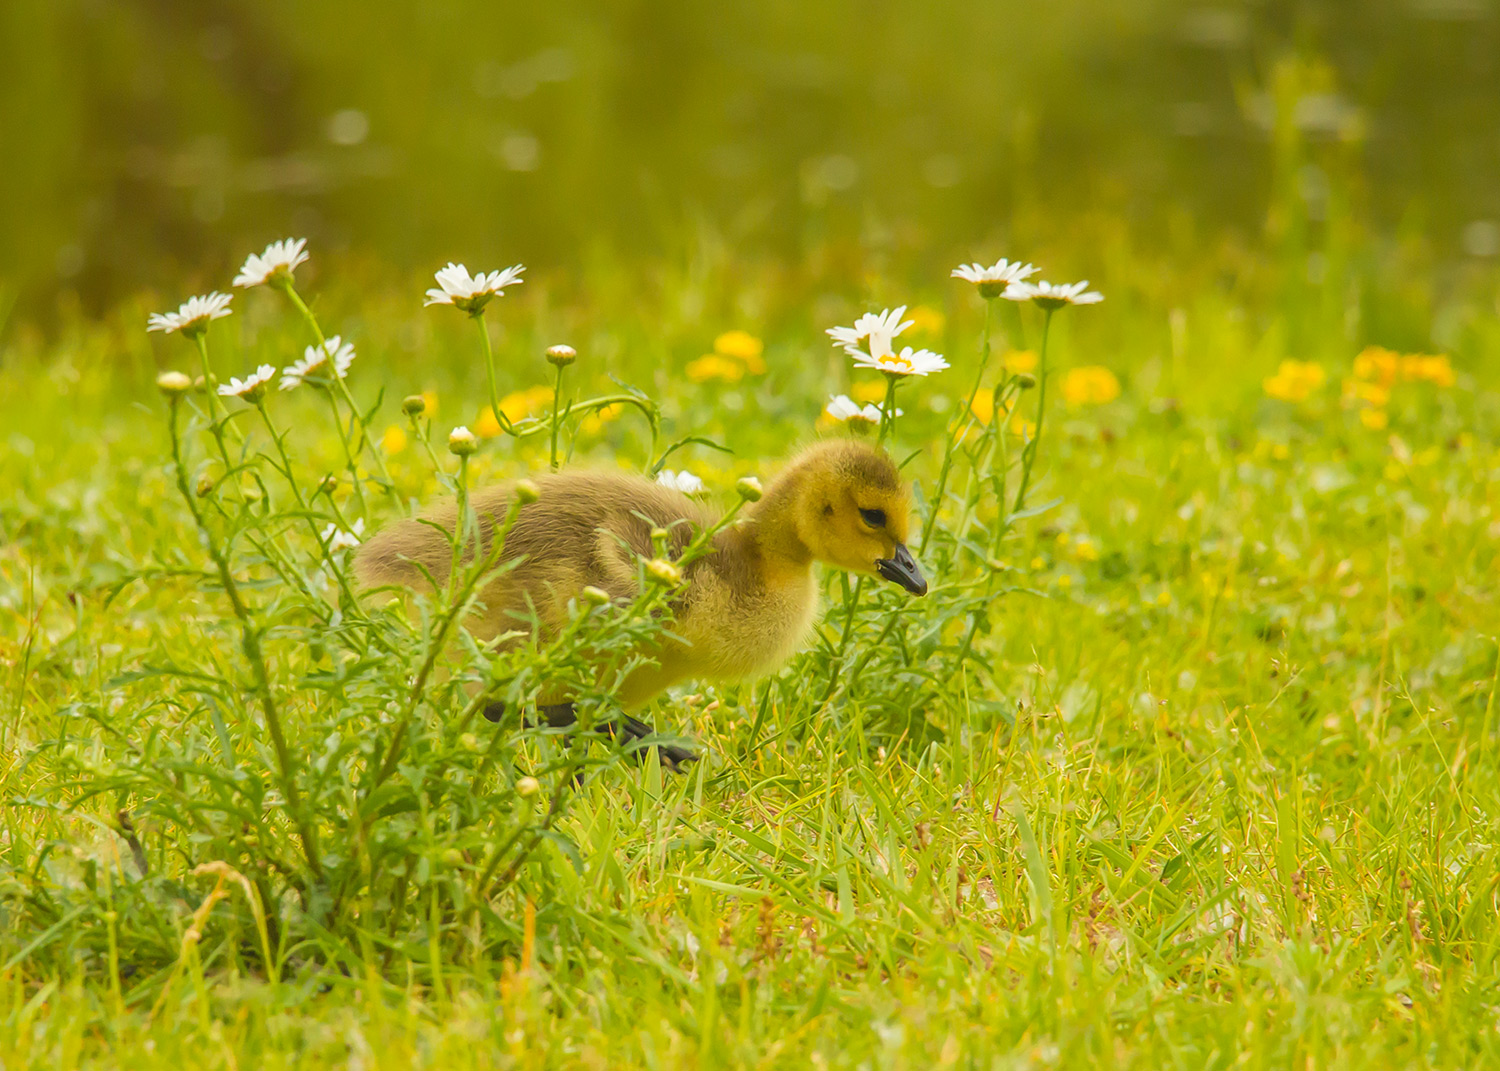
747,605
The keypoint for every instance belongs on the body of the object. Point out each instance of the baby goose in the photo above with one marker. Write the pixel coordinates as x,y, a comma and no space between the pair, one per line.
747,605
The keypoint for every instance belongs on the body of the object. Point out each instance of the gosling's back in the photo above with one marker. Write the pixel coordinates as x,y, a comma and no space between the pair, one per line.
586,528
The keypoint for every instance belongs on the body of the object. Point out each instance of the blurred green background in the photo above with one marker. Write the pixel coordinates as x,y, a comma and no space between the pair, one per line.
150,143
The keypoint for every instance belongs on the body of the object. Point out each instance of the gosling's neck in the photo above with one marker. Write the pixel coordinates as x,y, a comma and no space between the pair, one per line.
773,525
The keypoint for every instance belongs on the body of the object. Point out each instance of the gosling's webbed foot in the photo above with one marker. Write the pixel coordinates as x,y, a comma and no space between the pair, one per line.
561,715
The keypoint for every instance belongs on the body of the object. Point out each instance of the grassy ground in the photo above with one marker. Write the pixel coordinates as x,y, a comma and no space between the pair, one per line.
1212,784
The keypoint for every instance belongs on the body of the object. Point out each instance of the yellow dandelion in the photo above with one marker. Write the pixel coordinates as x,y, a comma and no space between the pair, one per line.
1090,385
873,391
1086,551
429,402
1374,419
744,346
983,406
1378,364
926,320
594,422
1020,360
1295,381
715,366
1432,368
1376,394
1038,563
393,441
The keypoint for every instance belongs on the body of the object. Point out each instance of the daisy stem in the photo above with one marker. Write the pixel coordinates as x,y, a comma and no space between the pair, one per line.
556,418
250,646
1028,457
353,466
286,470
961,429
489,371
888,408
357,424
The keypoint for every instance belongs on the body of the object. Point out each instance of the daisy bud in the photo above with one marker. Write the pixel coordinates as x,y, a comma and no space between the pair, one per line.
659,535
749,488
596,596
329,485
413,404
561,356
527,492
174,383
528,787
664,572
461,442
205,486
1025,380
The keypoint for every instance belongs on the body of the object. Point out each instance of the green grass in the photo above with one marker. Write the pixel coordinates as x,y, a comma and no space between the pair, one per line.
1213,786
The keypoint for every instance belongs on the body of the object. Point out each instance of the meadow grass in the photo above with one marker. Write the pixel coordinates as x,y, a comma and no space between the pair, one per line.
1194,767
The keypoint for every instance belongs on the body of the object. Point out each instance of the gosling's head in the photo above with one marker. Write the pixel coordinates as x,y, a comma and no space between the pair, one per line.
852,511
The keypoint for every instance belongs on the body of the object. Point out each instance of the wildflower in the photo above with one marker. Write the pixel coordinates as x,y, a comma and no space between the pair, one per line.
847,411
393,441
872,391
1086,551
277,263
312,367
683,481
461,442
982,405
1090,385
341,539
1376,394
561,356
1020,360
749,488
715,366
743,346
880,329
174,383
908,362
1053,296
527,786
471,293
994,280
252,387
1374,419
1295,381
192,316
413,405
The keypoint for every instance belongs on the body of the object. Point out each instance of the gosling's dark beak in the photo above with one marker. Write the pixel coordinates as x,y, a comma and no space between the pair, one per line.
902,569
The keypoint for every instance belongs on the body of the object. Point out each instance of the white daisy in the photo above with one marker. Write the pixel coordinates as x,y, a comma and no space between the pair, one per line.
280,258
908,362
192,315
340,539
879,328
683,481
1052,296
846,410
993,280
314,362
251,387
471,292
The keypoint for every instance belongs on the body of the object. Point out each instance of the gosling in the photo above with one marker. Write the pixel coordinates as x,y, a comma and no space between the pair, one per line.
747,605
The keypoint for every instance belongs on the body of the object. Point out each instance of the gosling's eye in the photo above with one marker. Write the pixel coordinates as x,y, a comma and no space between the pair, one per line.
875,518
